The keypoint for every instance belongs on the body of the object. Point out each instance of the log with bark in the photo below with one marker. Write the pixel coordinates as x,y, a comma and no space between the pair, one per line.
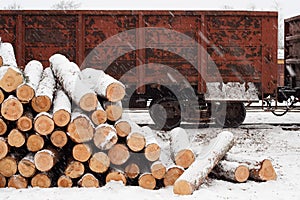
104,85
105,136
152,148
43,123
61,109
74,169
41,180
33,72
181,151
43,98
260,170
99,115
195,175
45,159
88,180
99,162
16,138
3,126
136,138
113,110
69,75
26,166
11,108
17,181
3,148
82,152
8,166
64,181
7,54
35,142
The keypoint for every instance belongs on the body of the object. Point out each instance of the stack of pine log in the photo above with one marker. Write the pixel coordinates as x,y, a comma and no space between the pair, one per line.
63,127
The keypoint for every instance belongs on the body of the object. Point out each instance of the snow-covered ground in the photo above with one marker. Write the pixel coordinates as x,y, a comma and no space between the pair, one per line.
282,147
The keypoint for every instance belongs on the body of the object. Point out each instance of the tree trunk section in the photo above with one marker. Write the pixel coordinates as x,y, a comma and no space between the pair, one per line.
43,123
180,148
231,171
118,154
41,180
105,136
61,109
3,127
116,175
44,94
82,152
123,128
195,175
80,129
132,170
3,148
59,138
64,181
26,166
15,138
152,148
11,108
74,169
104,85
158,170
33,72
147,181
99,116
24,123
99,162
10,78
88,180
172,174
2,181
136,140
45,160
2,96
35,143
8,166
113,110
17,181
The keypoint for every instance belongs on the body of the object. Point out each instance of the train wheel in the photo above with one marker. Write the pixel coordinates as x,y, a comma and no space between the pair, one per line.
230,115
165,113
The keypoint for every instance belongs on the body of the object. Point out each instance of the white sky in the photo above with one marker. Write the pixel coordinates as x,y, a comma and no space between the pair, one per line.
288,8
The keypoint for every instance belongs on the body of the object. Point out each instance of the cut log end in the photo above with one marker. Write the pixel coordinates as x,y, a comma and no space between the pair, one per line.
118,154
172,175
3,127
114,112
88,180
136,142
64,181
88,102
44,125
24,123
26,168
80,130
59,138
11,80
115,92
116,176
8,166
99,162
123,128
152,152
12,109
17,182
183,187
2,181
61,118
132,170
74,169
41,103
184,158
25,93
41,180
267,172
82,152
158,170
35,143
105,137
99,117
44,160
147,181
16,138
241,174
2,97
3,148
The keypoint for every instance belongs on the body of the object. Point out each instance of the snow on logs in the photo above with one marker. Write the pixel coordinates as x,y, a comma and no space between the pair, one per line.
61,109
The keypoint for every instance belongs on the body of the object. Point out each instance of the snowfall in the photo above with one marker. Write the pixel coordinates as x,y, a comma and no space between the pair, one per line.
254,139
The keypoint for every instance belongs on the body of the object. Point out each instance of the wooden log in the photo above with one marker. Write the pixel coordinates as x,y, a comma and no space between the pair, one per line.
45,160
25,122
15,138
8,166
195,175
42,100
64,181
260,170
80,129
61,109
158,170
2,181
152,149
172,174
35,142
88,180
180,145
33,72
11,108
41,180
26,166
104,85
99,115
123,127
113,110
59,138
99,162
2,96
43,123
118,154
74,169
116,175
231,171
147,181
17,181
3,127
132,170
7,54
10,78
69,75
3,148
105,136
82,152
136,140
